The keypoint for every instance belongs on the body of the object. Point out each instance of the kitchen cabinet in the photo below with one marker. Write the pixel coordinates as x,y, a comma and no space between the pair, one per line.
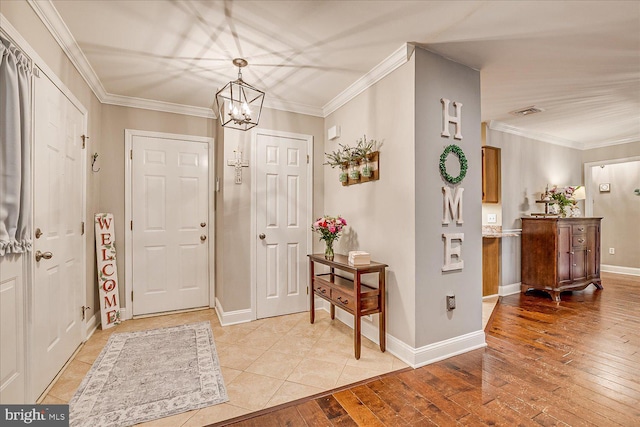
560,254
490,265
490,174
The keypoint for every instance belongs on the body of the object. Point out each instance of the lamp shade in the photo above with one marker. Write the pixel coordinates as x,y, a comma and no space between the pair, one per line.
579,193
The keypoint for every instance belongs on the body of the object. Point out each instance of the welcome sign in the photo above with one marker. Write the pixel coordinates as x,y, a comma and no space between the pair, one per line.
107,271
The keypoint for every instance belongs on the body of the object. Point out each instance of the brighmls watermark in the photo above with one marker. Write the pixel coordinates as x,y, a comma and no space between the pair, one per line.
34,415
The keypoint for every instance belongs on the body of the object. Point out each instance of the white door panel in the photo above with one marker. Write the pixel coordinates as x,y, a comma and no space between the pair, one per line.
281,215
58,213
169,205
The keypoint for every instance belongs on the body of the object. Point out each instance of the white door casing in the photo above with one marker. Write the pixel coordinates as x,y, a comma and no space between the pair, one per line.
170,238
59,282
282,206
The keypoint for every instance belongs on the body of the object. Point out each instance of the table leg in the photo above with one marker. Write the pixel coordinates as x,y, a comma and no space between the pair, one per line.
382,329
333,311
356,335
356,316
312,309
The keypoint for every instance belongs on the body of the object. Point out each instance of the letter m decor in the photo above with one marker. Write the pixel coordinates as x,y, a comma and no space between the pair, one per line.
107,271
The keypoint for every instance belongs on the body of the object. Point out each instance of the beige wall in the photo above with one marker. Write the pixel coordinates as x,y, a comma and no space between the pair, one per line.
114,121
620,151
620,210
233,218
436,78
381,214
27,23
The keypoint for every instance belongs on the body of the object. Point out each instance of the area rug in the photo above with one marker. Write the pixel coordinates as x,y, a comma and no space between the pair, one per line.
146,375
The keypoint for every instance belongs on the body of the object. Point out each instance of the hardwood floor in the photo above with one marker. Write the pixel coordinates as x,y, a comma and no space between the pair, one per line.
576,363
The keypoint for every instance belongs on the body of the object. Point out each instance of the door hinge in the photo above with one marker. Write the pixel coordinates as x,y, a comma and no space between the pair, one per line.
131,225
82,229
36,71
84,140
307,159
131,154
84,311
307,290
131,296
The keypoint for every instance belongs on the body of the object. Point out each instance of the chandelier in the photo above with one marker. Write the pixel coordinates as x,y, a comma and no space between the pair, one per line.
239,104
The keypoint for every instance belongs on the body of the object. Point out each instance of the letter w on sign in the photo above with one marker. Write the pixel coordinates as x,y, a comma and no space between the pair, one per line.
107,270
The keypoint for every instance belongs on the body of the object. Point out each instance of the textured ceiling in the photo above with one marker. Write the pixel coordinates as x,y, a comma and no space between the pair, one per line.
579,61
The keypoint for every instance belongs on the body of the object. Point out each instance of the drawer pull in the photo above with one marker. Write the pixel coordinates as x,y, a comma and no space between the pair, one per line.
575,265
580,228
571,252
324,291
346,301
580,240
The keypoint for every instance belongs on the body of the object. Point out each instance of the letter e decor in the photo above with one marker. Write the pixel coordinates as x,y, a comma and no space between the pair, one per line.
107,271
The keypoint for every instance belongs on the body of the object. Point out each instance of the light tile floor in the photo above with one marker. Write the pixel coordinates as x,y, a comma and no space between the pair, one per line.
264,363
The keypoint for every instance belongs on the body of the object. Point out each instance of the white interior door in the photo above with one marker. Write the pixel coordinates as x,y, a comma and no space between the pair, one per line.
170,224
282,224
59,281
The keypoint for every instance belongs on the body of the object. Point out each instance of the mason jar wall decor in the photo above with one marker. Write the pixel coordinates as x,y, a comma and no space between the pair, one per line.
357,164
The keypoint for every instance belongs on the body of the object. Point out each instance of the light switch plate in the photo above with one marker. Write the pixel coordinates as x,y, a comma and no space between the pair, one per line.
492,218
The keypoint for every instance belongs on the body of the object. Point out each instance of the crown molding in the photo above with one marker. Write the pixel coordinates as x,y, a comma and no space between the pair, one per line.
612,142
503,127
165,107
293,107
538,136
50,17
400,57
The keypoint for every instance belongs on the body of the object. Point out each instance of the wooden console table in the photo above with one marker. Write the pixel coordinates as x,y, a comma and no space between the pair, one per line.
350,295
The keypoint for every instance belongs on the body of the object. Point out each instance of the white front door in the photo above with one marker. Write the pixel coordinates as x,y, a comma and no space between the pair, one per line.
59,280
170,204
282,223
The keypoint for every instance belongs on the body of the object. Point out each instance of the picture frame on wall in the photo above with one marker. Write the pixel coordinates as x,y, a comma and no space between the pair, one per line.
605,187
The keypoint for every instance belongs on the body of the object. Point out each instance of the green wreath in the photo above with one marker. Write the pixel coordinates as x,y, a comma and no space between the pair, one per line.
463,164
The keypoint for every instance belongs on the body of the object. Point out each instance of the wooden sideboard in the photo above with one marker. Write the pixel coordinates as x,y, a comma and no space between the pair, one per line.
560,254
349,294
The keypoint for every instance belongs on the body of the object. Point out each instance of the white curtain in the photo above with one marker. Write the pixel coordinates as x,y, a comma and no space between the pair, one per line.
15,149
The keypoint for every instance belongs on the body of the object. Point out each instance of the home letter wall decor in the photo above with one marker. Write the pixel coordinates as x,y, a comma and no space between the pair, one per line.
452,205
446,118
450,252
107,271
452,196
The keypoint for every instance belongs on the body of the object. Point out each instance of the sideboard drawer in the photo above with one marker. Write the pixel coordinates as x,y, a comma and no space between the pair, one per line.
578,229
579,241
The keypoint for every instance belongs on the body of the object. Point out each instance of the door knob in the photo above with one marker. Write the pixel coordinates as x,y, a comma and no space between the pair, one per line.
38,233
45,255
262,236
203,238
203,224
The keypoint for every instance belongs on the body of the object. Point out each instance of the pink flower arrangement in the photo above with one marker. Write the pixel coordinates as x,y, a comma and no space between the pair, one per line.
329,227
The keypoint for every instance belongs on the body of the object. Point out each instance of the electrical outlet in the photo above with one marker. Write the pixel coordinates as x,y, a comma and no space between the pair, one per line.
492,218
451,302
612,251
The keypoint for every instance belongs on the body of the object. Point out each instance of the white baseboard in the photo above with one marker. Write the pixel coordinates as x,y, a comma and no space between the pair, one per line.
620,270
511,289
233,317
125,314
414,357
91,326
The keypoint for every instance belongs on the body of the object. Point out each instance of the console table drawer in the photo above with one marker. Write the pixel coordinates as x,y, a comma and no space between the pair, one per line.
322,290
344,300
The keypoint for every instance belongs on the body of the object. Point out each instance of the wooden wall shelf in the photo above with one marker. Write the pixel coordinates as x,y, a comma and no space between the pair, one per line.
375,175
